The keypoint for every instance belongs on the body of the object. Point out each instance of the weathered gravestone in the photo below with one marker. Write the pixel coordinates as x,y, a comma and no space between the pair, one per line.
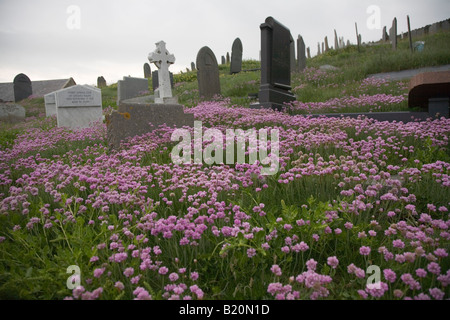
393,34
236,56
318,48
138,118
147,71
22,87
101,82
228,57
131,87
323,47
50,104
301,57
192,68
275,65
207,74
431,90
78,107
223,60
293,62
163,59
308,52
327,48
384,36
155,80
10,112
336,40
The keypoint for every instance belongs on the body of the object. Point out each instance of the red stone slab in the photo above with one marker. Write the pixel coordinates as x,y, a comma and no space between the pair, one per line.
428,85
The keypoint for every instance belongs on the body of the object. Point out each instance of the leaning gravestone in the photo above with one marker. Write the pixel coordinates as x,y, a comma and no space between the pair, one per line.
10,112
301,57
327,48
275,65
78,107
393,34
207,74
131,87
22,87
50,104
336,40
236,56
101,82
147,71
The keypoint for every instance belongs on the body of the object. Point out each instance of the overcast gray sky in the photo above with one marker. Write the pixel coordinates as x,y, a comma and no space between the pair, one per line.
84,39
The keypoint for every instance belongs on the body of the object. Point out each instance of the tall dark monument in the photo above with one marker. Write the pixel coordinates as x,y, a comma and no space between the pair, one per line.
275,87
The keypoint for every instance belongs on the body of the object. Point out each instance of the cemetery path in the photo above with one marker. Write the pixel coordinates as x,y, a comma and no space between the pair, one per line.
408,74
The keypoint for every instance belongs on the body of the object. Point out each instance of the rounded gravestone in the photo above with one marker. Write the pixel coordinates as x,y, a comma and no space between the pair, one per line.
147,71
236,56
22,87
207,73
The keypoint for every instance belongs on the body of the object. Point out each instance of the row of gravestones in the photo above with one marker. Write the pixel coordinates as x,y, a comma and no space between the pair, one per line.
76,107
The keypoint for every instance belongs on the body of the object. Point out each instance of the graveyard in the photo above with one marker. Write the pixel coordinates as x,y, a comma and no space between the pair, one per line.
357,209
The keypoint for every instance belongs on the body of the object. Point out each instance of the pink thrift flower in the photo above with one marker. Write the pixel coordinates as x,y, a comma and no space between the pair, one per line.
364,251
389,275
333,262
98,272
276,270
311,264
128,272
163,270
173,277
434,268
251,252
194,276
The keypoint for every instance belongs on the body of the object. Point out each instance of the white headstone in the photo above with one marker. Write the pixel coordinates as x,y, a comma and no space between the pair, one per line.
163,59
50,104
78,107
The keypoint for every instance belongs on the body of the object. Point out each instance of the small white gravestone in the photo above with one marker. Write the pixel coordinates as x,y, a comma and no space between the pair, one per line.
50,104
163,59
78,107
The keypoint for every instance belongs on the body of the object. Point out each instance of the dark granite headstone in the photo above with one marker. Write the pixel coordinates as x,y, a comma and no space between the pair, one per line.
301,57
101,82
275,65
155,80
147,71
207,74
22,87
223,60
236,56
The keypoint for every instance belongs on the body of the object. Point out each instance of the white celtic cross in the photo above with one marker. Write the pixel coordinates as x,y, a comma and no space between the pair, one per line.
162,59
